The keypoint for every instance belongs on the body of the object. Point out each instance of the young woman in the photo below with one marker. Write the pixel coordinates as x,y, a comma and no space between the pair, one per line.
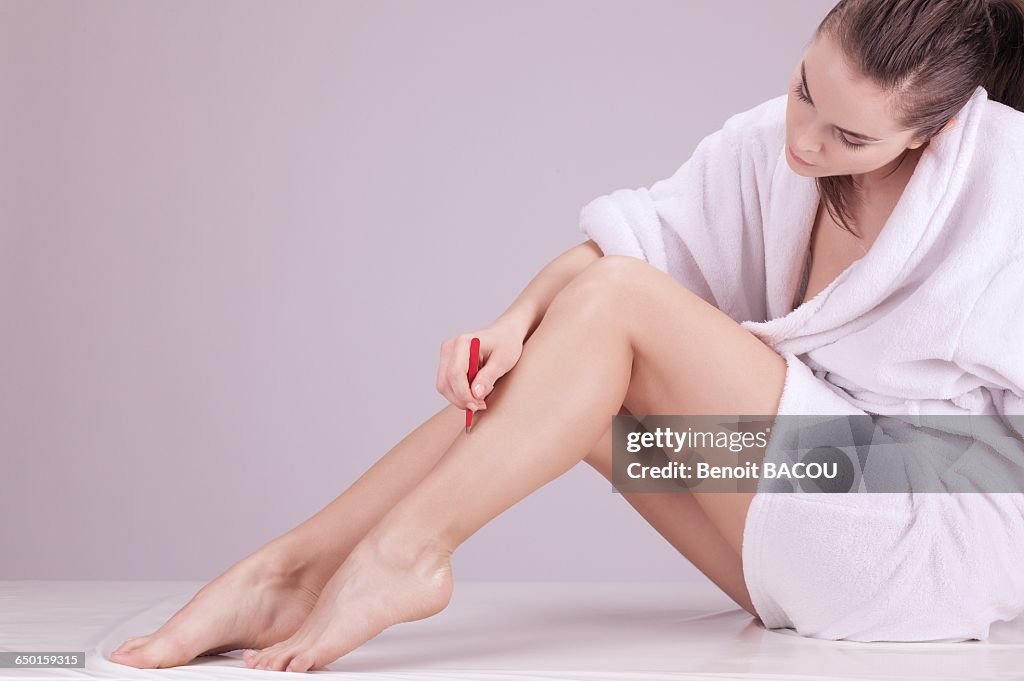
879,81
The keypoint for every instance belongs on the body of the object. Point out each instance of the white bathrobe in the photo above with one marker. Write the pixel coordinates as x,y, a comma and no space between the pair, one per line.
929,322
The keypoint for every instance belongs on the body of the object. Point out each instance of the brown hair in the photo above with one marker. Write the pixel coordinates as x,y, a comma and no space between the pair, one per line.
928,56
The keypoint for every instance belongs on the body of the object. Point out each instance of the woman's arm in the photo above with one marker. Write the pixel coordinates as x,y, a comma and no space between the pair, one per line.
525,313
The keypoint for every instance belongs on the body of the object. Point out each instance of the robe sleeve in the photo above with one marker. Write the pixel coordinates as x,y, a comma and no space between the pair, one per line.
703,225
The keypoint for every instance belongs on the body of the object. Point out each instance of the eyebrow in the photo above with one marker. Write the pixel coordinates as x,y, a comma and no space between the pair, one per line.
807,91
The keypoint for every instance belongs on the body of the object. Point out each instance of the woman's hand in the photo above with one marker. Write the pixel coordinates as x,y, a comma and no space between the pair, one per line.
500,348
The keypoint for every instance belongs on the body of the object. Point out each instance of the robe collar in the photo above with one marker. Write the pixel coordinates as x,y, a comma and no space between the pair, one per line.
914,224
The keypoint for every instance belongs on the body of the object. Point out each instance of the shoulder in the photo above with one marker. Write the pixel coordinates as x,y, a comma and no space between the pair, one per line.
749,143
760,131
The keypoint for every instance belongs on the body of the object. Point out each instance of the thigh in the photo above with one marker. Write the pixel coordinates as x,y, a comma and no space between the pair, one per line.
682,522
689,357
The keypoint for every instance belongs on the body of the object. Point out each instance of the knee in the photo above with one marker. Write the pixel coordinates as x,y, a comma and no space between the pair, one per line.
611,270
602,287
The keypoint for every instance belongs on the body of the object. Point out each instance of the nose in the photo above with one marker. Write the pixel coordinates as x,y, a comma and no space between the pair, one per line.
806,144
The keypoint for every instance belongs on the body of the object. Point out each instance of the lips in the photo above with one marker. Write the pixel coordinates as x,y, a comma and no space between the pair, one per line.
798,159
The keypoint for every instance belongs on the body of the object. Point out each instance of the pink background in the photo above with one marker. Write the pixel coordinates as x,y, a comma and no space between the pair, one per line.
234,234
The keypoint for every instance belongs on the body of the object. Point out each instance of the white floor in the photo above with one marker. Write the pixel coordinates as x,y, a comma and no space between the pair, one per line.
499,631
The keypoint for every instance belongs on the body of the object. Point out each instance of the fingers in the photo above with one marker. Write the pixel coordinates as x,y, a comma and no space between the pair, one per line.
482,384
453,374
458,375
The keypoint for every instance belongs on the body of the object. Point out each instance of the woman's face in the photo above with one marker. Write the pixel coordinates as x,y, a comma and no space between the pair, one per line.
840,99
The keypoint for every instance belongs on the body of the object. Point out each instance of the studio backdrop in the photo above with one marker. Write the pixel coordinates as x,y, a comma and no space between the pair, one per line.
233,236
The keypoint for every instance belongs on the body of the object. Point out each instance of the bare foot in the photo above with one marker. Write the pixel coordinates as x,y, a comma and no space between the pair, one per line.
252,605
371,591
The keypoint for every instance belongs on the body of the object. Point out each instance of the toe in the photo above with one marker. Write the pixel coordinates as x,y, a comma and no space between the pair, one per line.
128,652
118,656
302,662
279,660
252,657
264,661
286,656
129,644
126,657
260,659
169,650
272,655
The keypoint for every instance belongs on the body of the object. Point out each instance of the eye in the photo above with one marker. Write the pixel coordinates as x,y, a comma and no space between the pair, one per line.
850,145
799,92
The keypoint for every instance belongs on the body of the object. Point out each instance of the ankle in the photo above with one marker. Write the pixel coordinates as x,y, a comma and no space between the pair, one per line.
403,551
404,563
290,559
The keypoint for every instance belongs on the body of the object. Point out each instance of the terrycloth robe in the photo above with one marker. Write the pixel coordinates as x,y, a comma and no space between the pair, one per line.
929,321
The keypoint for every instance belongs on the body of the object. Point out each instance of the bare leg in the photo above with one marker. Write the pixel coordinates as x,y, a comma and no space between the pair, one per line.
546,415
684,524
542,419
266,596
323,541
